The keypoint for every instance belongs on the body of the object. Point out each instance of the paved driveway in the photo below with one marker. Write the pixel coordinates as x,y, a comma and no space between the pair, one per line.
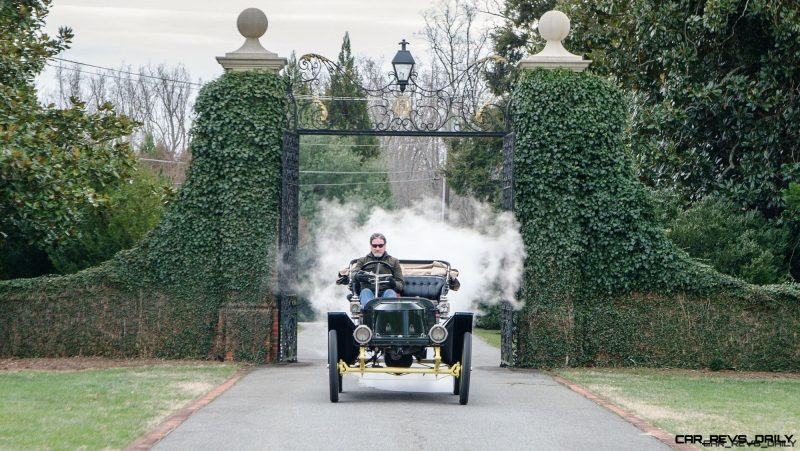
287,407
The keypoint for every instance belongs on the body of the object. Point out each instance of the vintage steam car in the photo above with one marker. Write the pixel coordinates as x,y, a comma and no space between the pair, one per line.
412,334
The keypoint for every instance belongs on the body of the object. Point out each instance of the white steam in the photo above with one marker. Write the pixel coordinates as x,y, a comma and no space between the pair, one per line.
487,250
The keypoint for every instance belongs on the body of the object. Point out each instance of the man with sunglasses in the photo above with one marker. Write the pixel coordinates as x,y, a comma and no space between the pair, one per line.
389,286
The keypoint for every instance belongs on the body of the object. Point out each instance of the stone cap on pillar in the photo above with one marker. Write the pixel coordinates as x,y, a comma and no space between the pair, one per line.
252,24
554,26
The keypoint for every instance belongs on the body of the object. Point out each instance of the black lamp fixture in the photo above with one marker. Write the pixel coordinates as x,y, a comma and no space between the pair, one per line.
403,64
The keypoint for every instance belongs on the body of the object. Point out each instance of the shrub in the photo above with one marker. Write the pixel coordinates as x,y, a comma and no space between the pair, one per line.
489,317
736,242
20,259
134,208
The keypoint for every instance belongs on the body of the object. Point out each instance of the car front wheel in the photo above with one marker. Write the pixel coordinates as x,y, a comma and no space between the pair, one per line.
334,378
466,369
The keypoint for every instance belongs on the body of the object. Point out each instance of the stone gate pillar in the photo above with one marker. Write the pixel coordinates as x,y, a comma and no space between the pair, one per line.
554,26
252,56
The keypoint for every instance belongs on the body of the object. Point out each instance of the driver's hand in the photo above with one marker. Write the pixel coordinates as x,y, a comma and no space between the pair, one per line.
390,282
362,277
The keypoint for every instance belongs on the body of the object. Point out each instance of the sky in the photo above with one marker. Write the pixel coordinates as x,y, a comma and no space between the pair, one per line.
193,32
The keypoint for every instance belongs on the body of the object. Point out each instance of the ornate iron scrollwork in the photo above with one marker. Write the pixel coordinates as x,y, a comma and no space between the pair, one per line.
455,109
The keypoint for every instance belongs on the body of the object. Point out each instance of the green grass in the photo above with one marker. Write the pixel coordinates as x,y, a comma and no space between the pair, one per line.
94,409
692,402
491,336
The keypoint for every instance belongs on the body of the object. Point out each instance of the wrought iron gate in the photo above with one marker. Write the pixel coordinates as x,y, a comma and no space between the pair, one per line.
290,207
507,356
408,111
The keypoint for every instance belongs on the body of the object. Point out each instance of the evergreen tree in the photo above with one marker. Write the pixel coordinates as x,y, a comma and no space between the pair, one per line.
348,107
294,76
475,168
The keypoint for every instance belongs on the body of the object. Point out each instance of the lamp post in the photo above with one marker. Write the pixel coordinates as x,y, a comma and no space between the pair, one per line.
403,64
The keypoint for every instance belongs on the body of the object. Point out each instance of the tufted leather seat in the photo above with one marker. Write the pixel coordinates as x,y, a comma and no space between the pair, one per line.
429,287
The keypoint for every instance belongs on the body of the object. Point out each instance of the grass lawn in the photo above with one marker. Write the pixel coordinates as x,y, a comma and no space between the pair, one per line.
97,409
695,402
489,335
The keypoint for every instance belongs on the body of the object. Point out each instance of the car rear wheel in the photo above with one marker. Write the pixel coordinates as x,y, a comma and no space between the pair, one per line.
466,369
334,378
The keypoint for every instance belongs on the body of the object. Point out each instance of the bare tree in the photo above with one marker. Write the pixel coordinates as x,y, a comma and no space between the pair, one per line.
97,90
173,93
160,98
69,80
457,40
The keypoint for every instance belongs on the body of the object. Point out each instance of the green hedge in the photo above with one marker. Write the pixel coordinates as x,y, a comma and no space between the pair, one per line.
216,245
593,243
89,313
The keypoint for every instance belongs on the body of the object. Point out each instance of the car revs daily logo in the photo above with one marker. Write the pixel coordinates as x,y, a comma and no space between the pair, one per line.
739,440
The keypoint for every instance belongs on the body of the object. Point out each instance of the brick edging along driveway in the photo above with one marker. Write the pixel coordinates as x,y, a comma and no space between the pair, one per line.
152,437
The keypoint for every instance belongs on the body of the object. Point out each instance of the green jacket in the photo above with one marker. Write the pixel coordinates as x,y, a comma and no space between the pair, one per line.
397,271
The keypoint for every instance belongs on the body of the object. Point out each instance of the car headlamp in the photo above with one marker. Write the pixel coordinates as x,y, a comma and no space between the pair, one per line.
437,334
362,334
355,308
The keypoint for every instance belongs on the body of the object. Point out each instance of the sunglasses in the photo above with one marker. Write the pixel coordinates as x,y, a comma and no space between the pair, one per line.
378,245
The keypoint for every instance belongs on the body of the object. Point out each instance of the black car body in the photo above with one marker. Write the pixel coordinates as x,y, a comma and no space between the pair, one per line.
411,334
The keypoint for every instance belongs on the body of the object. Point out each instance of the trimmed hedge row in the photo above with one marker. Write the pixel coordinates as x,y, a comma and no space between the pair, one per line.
593,245
721,331
216,246
84,314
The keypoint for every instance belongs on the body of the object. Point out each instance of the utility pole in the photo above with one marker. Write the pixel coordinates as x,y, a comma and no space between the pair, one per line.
445,191
444,197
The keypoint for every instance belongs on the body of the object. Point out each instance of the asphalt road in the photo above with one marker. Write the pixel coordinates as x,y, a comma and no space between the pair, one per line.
287,407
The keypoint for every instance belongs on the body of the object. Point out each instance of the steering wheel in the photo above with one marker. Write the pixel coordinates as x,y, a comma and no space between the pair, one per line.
375,277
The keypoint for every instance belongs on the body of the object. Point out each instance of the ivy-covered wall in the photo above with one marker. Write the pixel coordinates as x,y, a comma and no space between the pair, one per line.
603,285
216,246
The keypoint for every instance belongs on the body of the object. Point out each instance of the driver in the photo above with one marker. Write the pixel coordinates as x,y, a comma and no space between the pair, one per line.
390,286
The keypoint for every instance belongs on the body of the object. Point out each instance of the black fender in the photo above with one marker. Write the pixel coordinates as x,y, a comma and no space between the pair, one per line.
346,344
458,324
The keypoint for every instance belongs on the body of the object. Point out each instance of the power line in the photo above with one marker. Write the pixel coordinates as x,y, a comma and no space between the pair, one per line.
368,172
161,161
313,97
317,172
118,71
88,72
73,69
314,172
339,145
367,98
367,183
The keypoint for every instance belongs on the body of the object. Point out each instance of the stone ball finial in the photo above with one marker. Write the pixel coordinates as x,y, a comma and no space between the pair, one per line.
252,23
554,26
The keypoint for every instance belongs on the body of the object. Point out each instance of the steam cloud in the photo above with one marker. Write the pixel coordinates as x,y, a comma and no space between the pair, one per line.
486,249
